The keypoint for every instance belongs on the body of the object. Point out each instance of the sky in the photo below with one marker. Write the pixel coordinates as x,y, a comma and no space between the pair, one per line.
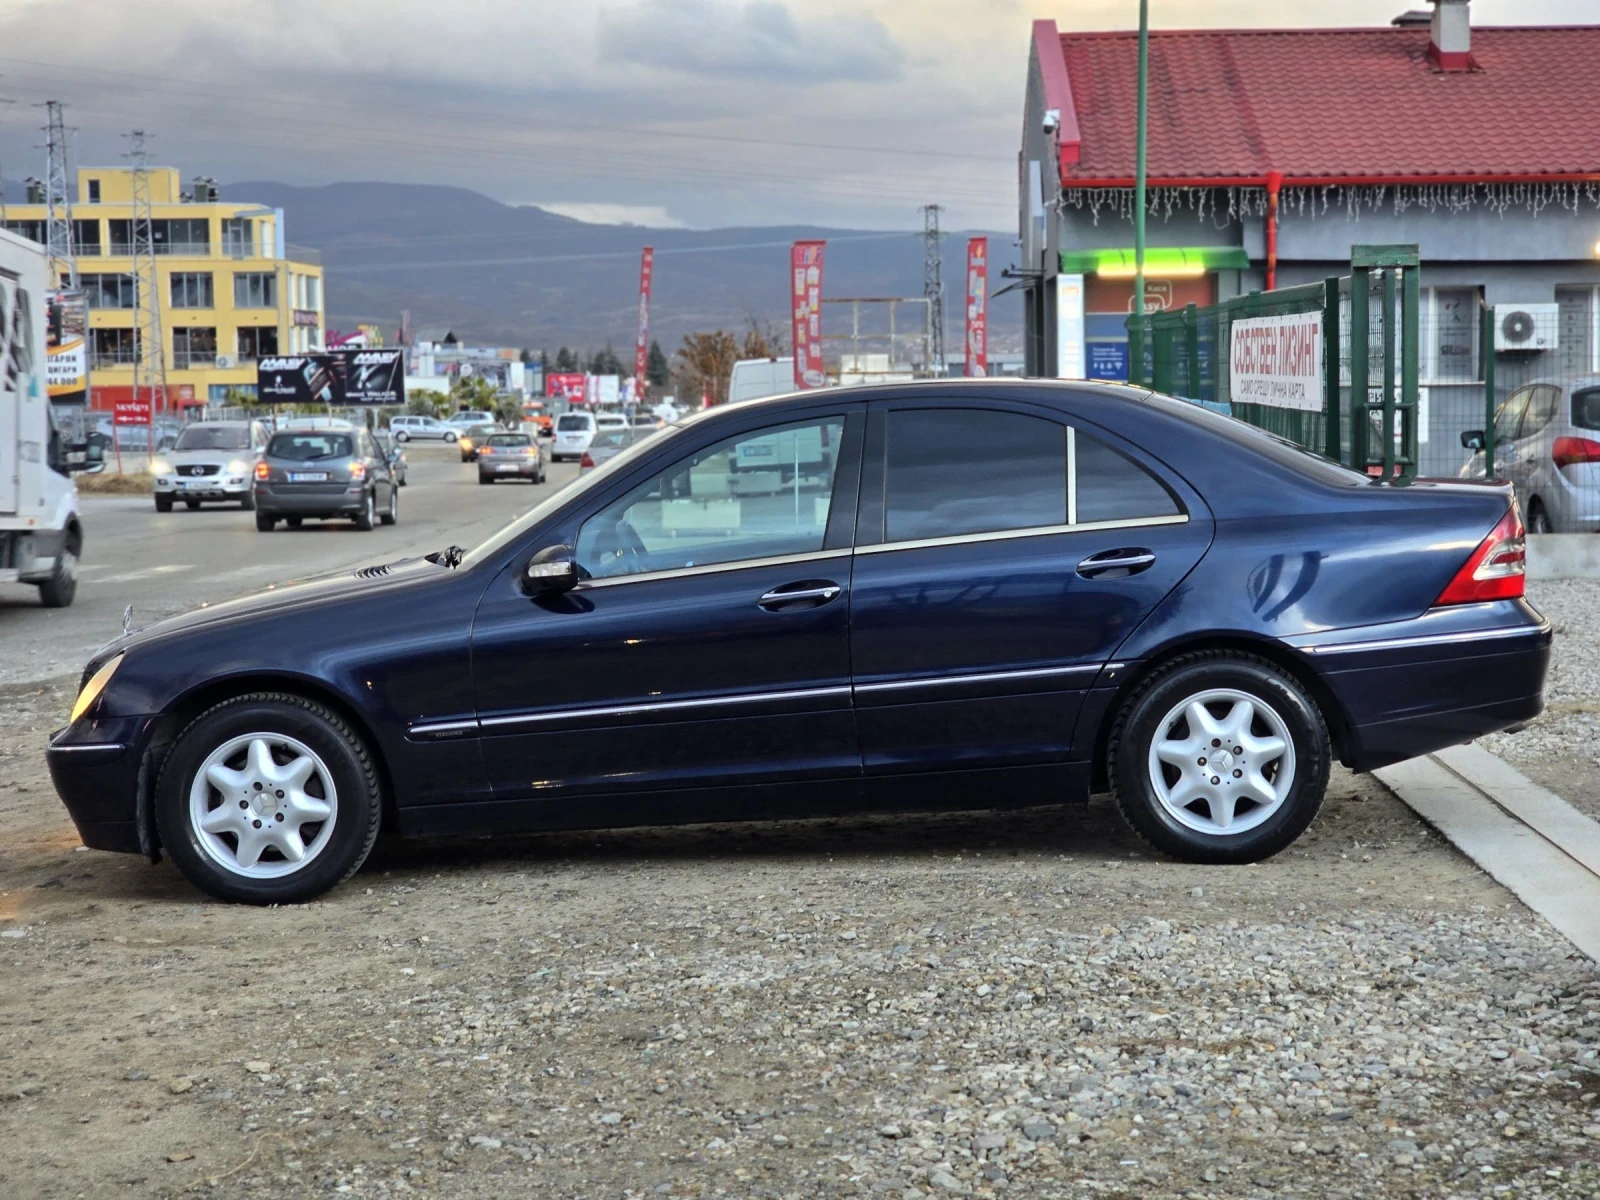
672,113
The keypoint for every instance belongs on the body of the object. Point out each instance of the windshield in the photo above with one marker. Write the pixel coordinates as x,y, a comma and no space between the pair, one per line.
510,439
611,439
305,447
571,422
214,437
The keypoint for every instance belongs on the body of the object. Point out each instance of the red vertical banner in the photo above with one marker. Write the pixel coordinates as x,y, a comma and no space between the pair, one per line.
805,268
977,306
641,348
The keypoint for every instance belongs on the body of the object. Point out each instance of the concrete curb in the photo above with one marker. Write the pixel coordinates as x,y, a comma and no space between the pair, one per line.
1563,556
1528,839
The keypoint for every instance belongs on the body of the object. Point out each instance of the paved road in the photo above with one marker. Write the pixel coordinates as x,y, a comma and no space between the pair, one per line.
166,563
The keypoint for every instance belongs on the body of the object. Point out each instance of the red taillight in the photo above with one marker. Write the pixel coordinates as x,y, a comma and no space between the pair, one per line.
1570,451
486,450
1497,569
358,470
263,471
586,461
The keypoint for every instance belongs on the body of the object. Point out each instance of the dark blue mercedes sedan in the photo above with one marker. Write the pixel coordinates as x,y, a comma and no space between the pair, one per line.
956,595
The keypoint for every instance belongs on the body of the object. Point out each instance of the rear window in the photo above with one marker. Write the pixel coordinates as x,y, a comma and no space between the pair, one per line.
572,422
510,439
610,439
1586,408
304,447
213,437
1269,445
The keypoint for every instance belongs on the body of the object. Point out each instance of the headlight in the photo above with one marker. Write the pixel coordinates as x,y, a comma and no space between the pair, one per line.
161,467
238,467
91,690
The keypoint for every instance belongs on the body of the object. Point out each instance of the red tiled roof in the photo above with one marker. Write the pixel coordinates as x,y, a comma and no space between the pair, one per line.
1320,105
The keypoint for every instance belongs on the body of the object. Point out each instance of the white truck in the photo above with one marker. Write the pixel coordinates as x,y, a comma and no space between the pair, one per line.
41,531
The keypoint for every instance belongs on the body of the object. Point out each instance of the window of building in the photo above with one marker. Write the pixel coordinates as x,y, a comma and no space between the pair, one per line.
32,230
109,291
759,495
181,235
313,292
194,346
257,341
236,237
86,236
121,231
1451,345
94,191
1575,333
113,347
192,289
255,289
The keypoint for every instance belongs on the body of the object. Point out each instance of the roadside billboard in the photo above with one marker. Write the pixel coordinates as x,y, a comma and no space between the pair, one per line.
1277,361
375,377
568,385
67,347
805,270
338,377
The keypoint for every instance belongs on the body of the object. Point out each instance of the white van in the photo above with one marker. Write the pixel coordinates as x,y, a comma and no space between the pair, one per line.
574,432
753,378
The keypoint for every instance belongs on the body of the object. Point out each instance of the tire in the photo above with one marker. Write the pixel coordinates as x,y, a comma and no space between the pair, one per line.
368,516
58,591
163,503
450,439
265,522
1538,519
248,504
484,479
402,481
392,513
1220,830
293,522
402,436
278,731
191,505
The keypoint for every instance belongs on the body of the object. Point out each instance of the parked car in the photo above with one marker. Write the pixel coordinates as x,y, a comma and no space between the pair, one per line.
469,416
646,421
472,437
1547,443
510,456
392,451
960,594
209,460
610,420
574,432
326,474
409,428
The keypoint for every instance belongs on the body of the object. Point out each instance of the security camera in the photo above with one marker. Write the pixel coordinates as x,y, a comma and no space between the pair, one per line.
1052,120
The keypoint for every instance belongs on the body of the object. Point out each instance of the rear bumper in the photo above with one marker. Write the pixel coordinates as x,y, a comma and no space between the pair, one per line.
507,470
1451,676
308,503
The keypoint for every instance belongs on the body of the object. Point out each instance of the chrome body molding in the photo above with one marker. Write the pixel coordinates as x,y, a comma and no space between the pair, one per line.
898,685
1005,535
744,564
87,747
1432,639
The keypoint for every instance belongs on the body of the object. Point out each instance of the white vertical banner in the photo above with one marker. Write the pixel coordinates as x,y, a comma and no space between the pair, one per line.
1069,327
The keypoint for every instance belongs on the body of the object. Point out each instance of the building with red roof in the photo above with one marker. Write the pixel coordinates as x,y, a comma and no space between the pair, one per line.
1272,151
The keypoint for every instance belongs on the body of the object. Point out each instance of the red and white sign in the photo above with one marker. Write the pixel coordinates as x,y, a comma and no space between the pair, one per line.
1277,361
566,384
133,411
977,306
805,269
641,348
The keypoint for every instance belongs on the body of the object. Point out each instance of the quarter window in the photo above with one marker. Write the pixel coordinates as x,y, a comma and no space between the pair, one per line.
1112,487
759,495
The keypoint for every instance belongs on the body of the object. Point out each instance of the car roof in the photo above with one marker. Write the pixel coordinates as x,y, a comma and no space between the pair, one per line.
1567,382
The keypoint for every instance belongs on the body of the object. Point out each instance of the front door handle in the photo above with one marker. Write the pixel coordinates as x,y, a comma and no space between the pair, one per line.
1126,561
812,594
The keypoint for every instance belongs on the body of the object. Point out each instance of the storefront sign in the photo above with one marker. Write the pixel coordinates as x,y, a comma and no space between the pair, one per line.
305,318
1277,361
1109,361
805,268
977,306
1069,327
641,345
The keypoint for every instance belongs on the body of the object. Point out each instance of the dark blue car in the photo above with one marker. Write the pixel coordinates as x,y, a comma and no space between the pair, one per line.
937,596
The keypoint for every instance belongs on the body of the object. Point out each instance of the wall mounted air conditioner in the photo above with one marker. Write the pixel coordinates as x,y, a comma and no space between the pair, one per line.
225,362
1527,326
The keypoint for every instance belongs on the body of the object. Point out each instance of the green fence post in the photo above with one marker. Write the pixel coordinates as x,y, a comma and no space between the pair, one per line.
1387,391
1488,391
1410,303
1135,328
1191,333
1330,368
1360,421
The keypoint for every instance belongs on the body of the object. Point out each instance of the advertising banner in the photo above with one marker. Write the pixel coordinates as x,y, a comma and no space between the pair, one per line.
301,379
1277,361
375,377
805,268
641,347
568,385
977,306
1069,327
135,410
66,346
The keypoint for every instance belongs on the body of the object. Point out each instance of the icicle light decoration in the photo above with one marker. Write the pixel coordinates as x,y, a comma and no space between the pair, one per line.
1232,203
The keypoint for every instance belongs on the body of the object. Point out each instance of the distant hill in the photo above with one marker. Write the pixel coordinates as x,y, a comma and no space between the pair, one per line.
521,276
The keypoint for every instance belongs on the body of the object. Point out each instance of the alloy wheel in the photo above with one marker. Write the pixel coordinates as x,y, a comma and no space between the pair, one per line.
263,805
1222,762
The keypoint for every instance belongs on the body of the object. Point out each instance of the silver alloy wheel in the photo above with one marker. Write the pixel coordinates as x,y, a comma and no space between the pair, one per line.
394,503
67,566
255,800
372,506
1222,762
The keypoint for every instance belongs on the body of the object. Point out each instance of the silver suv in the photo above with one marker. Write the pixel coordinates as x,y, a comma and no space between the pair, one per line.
210,460
1547,443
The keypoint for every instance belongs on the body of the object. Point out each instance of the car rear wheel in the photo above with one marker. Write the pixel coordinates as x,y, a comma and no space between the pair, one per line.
59,590
368,516
265,522
1219,758
392,514
248,503
268,799
450,438
1538,519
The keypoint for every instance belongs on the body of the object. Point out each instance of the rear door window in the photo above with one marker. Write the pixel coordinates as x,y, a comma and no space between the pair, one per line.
1110,486
1586,408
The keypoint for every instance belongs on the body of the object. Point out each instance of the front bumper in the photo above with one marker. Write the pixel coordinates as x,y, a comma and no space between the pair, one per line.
95,766
202,487
308,503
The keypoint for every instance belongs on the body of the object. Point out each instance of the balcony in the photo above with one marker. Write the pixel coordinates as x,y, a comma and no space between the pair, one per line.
100,360
303,254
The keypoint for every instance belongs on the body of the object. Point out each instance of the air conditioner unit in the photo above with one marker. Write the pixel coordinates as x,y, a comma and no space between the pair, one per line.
1527,326
225,362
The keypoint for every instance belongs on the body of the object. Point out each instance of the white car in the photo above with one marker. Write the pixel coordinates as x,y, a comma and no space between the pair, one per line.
411,428
467,417
574,432
211,460
610,420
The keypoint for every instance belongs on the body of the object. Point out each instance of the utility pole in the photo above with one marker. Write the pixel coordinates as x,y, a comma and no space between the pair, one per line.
1143,140
3,102
149,343
933,286
60,243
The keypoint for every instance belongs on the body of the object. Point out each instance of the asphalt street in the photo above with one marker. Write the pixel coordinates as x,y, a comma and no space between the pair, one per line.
163,563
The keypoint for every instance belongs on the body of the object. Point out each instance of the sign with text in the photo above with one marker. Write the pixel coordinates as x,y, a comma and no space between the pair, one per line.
375,377
1069,327
977,306
300,379
568,385
805,269
135,410
1277,361
641,345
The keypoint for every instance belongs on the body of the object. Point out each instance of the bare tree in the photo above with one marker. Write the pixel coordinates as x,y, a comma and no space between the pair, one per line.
708,359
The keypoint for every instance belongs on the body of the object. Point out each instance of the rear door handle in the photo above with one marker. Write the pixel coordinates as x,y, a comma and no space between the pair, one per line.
1126,561
812,594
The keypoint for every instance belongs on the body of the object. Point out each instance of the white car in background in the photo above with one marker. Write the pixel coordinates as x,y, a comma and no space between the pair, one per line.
412,428
574,432
211,460
468,417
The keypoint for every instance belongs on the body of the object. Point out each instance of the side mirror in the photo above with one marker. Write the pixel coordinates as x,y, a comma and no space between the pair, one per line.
1472,439
553,569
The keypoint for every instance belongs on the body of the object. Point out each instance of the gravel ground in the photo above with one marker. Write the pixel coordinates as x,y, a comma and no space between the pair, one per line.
1017,1004
1561,750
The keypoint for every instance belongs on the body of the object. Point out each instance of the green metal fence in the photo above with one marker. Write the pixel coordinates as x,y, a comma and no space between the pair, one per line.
1369,322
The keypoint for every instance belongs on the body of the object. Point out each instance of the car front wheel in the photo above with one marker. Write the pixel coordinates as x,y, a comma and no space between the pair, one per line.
1219,758
268,799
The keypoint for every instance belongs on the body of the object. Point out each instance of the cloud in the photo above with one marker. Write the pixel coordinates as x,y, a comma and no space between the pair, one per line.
651,216
756,39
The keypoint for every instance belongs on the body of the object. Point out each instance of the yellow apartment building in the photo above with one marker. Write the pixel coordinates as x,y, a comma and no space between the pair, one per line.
231,290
